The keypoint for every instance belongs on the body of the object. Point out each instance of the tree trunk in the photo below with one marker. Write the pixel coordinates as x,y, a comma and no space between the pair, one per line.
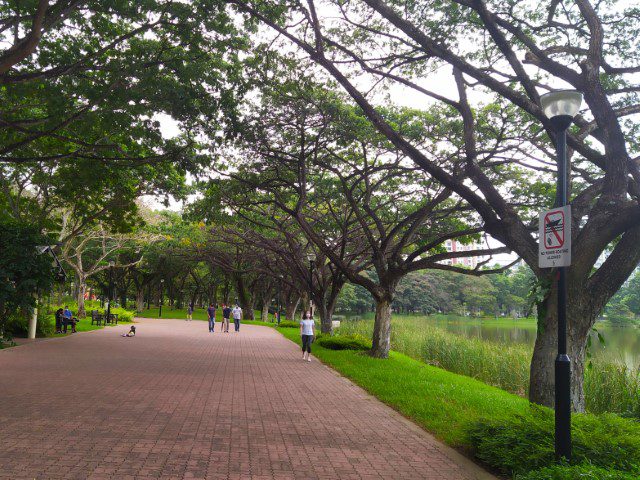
244,299
325,317
290,308
542,373
382,329
265,309
140,299
82,288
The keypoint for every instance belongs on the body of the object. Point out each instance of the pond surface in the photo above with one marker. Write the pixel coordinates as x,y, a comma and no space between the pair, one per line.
621,343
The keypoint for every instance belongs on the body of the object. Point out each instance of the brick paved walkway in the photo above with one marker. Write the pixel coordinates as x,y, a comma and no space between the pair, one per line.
178,402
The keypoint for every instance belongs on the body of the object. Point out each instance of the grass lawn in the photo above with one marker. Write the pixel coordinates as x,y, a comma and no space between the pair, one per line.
181,313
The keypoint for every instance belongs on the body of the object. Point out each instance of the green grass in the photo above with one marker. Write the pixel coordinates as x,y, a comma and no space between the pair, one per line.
181,313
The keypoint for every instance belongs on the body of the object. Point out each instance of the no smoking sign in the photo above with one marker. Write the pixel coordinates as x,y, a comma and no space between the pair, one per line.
555,238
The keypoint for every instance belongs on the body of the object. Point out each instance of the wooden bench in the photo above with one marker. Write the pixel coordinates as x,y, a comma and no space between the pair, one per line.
96,317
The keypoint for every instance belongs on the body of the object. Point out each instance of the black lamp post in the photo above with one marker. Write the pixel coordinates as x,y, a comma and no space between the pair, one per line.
279,287
560,107
109,293
161,297
311,256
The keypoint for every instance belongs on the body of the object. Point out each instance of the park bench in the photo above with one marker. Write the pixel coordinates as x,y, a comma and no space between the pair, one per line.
112,319
96,317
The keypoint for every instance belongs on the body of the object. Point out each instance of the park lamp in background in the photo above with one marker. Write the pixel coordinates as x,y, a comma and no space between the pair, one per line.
561,107
311,256
110,292
161,297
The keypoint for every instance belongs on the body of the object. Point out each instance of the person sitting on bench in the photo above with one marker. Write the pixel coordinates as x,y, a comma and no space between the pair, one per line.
69,319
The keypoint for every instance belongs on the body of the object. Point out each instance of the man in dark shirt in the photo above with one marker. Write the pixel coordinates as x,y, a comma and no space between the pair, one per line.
211,313
226,314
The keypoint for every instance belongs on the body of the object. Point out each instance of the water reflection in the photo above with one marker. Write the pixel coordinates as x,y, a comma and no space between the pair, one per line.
621,343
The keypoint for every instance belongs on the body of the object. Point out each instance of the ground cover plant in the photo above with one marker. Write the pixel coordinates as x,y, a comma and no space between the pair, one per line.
497,428
576,472
609,386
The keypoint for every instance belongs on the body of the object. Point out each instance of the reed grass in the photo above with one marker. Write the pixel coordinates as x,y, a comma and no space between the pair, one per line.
610,386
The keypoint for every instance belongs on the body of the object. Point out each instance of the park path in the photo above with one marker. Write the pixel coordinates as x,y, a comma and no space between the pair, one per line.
178,402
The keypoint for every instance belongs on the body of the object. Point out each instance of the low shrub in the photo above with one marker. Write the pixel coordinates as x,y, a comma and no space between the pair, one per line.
344,342
18,324
576,472
125,316
523,443
289,324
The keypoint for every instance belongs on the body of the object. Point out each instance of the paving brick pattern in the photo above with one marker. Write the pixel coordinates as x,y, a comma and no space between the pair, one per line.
177,402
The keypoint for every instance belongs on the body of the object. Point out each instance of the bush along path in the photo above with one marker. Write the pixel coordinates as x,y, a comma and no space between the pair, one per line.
500,430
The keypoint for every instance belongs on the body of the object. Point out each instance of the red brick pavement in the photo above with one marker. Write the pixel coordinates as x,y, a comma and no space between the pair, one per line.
177,402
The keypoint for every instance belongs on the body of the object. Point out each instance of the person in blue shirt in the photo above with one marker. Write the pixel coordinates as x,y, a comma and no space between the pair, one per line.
226,313
67,316
211,313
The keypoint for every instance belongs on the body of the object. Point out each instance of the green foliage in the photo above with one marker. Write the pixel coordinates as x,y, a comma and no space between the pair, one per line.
125,316
23,271
289,324
18,324
576,472
344,342
523,443
428,292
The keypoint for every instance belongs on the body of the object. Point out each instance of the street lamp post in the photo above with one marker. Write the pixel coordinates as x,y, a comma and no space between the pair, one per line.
560,107
161,299
110,292
279,287
311,256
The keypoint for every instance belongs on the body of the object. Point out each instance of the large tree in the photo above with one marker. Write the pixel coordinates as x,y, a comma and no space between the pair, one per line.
512,51
351,190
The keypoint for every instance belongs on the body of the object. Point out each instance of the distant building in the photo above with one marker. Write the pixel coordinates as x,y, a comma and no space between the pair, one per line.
455,246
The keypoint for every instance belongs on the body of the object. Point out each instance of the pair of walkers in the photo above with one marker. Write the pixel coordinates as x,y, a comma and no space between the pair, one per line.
227,313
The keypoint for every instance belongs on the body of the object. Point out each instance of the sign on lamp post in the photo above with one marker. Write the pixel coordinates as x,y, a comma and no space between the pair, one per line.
554,232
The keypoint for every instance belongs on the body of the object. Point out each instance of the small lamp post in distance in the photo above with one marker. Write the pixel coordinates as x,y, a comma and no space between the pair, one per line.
161,297
311,256
110,292
561,107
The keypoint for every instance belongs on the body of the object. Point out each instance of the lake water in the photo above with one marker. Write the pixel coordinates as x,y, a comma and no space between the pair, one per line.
621,343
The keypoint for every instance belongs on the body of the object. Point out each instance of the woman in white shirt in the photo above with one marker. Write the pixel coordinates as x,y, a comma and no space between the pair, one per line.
307,332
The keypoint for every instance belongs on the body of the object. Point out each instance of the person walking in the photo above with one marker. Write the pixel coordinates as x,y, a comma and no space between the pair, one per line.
226,314
211,314
190,312
307,332
237,315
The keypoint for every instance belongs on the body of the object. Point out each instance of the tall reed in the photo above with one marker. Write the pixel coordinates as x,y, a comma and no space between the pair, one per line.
609,386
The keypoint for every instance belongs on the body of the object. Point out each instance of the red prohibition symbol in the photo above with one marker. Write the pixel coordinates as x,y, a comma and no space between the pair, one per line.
554,230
